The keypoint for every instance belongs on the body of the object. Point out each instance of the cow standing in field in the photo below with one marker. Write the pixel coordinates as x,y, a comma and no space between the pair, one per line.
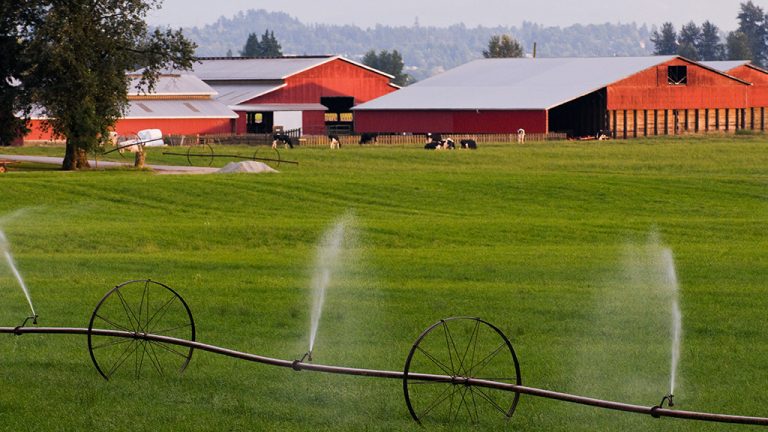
468,144
281,139
334,141
368,138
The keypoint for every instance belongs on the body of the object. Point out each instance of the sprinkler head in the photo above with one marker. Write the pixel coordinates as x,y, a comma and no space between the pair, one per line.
670,399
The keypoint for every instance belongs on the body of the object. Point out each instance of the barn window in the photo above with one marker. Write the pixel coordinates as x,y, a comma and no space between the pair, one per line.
331,117
677,75
346,117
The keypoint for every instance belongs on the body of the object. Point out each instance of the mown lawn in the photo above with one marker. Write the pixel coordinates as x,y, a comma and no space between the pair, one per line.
554,243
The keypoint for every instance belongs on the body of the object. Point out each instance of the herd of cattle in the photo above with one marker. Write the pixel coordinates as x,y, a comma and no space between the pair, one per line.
434,141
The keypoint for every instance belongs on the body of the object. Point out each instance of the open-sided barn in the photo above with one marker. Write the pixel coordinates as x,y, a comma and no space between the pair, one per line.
312,93
179,104
754,117
623,96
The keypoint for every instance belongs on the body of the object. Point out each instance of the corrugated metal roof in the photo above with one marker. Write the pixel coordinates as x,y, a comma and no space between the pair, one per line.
514,84
724,66
234,94
236,68
174,85
279,107
177,109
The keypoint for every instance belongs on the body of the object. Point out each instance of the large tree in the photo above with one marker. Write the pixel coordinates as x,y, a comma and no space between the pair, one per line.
79,53
688,41
16,21
738,46
389,62
752,24
710,46
665,41
503,46
268,46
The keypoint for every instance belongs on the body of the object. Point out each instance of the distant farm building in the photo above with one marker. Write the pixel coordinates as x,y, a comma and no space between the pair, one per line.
621,96
315,94
178,105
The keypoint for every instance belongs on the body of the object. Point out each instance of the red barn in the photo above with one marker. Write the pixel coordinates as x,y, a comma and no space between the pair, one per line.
626,96
313,93
179,105
755,116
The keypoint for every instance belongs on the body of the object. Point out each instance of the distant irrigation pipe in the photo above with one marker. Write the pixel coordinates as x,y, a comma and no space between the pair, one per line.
160,308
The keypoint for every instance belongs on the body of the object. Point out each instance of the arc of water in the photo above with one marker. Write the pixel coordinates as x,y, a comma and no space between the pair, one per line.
15,270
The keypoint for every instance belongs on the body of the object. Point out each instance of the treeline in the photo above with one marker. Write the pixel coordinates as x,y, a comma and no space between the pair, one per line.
425,50
748,42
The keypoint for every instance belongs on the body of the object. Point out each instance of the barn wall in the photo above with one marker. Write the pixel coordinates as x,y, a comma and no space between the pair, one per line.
176,126
314,123
450,121
758,92
334,78
705,89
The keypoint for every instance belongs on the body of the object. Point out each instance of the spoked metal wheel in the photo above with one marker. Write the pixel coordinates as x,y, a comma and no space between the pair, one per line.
457,349
268,155
200,155
136,309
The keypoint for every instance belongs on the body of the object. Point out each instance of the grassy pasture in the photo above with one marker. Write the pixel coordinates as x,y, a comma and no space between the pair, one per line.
545,241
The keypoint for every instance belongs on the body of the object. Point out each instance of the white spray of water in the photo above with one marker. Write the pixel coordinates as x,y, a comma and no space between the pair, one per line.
668,262
328,261
9,258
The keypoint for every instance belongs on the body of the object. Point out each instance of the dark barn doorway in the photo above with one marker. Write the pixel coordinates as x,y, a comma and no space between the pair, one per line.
259,122
585,116
338,118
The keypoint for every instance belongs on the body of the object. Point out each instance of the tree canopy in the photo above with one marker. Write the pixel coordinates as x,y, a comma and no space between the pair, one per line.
665,41
77,54
754,26
504,46
268,46
389,62
738,46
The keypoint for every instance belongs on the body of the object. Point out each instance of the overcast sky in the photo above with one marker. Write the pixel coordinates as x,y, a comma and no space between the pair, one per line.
472,12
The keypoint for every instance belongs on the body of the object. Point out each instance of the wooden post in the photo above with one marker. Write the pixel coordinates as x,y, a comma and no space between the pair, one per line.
140,157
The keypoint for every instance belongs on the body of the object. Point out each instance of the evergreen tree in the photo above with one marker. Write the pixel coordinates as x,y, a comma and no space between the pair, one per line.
388,62
738,46
252,46
268,46
710,46
752,24
503,46
688,41
665,42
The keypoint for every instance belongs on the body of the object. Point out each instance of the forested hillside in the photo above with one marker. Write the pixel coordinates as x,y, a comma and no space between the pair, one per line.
425,50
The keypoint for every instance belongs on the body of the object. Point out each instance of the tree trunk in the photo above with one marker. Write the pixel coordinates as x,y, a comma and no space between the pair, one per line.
140,157
75,158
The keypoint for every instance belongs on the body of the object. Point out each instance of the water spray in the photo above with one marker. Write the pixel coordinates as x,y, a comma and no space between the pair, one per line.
485,380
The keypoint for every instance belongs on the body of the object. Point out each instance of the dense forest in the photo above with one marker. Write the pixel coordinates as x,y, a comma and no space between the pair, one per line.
425,50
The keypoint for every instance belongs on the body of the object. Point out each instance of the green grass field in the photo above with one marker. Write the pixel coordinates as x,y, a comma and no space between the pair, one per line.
547,241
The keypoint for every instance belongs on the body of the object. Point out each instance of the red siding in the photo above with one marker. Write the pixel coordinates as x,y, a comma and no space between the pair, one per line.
334,78
758,93
649,90
176,126
168,126
450,121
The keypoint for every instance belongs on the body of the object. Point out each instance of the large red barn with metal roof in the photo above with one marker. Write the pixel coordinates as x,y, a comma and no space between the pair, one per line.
623,96
313,93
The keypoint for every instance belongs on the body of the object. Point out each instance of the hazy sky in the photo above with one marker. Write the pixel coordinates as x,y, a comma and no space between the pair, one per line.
472,12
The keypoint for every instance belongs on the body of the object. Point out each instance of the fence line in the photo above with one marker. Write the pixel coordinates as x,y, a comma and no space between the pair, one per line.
322,140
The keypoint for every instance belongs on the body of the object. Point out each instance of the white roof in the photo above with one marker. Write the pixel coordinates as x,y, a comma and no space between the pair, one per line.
279,107
724,66
173,85
262,69
514,83
178,109
235,94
